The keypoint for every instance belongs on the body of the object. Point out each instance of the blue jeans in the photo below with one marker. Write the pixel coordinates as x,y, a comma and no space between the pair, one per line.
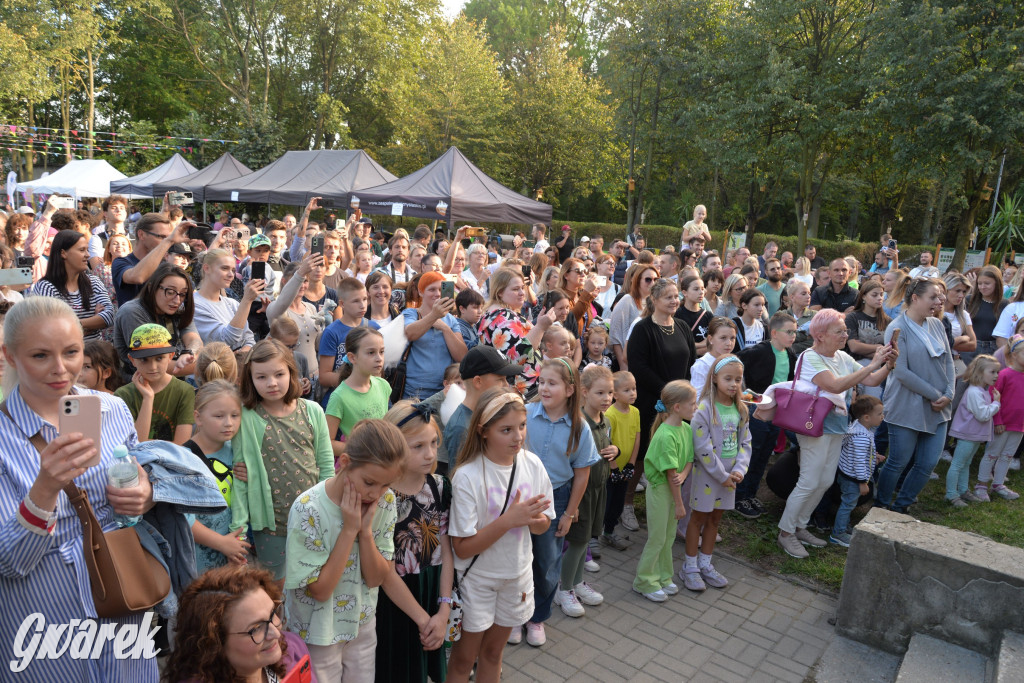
959,474
763,436
850,495
906,445
547,559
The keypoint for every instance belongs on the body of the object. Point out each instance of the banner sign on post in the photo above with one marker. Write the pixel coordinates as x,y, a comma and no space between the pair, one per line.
737,240
396,209
975,258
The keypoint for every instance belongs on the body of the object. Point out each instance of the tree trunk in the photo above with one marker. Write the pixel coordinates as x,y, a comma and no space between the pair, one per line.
973,187
929,213
750,224
90,121
815,217
630,205
651,134
28,154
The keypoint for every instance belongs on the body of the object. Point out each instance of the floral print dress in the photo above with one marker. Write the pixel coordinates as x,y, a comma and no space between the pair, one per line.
506,330
422,521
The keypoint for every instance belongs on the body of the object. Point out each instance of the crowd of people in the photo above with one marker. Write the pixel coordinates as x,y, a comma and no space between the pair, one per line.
407,519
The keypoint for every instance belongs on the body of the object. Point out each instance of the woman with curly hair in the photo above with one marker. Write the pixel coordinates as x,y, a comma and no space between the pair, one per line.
231,628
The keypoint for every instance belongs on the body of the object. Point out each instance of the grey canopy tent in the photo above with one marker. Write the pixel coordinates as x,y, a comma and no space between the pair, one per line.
222,170
142,184
297,177
451,188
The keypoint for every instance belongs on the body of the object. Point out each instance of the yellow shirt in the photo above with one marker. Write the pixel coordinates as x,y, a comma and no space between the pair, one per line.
625,427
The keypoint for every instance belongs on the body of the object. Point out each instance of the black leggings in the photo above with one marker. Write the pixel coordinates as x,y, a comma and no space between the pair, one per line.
614,505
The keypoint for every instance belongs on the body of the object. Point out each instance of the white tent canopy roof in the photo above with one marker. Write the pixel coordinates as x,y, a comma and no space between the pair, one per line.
79,178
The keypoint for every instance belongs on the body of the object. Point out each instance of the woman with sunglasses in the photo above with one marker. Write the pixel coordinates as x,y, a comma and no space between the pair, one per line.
166,299
636,288
231,628
574,279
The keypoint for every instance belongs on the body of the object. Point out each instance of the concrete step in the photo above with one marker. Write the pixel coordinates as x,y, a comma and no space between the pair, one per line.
930,660
847,661
1010,665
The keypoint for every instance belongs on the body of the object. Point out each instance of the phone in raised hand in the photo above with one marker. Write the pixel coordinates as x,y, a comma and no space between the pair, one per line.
259,270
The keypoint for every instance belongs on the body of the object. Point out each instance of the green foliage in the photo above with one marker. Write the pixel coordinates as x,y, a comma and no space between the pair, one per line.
142,149
1006,228
260,142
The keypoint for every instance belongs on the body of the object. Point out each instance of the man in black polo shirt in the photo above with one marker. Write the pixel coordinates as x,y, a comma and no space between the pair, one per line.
836,294
811,252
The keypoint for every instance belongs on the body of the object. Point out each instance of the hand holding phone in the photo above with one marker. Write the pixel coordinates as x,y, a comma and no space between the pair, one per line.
447,289
317,244
83,414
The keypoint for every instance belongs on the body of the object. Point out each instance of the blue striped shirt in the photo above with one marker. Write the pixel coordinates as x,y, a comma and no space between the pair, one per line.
46,573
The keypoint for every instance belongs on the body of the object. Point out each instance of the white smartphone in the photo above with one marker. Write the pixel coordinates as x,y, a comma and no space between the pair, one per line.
601,280
60,202
83,414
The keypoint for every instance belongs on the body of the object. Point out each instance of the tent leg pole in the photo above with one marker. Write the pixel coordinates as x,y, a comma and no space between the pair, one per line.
204,211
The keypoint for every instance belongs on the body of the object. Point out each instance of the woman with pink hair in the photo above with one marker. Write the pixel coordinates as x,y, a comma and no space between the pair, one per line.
834,371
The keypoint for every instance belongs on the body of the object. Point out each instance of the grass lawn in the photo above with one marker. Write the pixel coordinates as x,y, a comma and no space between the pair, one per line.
754,540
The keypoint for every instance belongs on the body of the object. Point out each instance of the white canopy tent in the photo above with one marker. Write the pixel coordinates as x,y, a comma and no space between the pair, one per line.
79,178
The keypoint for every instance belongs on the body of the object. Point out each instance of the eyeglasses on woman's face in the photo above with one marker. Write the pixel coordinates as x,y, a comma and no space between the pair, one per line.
259,632
172,293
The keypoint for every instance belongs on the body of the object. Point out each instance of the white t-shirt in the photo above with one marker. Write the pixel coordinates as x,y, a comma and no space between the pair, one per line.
478,492
754,334
840,365
954,322
699,371
1008,320
924,271
540,246
806,279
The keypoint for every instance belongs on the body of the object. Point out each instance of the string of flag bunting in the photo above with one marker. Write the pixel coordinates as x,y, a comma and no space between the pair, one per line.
40,139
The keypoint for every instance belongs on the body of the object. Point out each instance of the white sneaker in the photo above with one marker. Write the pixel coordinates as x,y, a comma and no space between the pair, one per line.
587,595
569,604
656,596
1015,464
670,589
516,636
628,519
642,484
591,566
946,456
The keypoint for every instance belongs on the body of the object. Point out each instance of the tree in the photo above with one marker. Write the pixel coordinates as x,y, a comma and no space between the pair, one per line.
559,128
956,73
458,98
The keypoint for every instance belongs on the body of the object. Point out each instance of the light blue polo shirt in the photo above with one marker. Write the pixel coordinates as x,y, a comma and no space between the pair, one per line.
550,439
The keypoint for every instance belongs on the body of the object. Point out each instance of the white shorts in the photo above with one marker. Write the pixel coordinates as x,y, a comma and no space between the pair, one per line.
487,601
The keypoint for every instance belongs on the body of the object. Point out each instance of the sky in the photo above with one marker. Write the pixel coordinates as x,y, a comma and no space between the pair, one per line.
452,7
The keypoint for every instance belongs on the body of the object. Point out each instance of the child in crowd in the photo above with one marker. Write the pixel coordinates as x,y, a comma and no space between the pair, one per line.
597,389
161,404
340,546
972,426
216,361
595,341
451,376
557,434
559,342
363,393
749,328
482,368
422,557
501,495
721,445
721,341
469,305
624,420
667,465
101,369
856,462
217,416
1009,426
362,265
285,446
285,330
352,300
770,362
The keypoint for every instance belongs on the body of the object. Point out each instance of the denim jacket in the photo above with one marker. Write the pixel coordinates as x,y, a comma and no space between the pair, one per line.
182,484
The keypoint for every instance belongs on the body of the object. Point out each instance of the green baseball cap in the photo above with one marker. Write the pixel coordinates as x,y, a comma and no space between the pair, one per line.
258,241
150,340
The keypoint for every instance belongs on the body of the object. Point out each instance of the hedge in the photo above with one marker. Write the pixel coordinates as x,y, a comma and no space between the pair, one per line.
658,236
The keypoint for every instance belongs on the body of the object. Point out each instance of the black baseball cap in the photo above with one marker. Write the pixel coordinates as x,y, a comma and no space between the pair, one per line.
487,360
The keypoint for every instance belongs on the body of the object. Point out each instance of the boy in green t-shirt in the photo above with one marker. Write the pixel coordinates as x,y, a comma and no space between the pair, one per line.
161,404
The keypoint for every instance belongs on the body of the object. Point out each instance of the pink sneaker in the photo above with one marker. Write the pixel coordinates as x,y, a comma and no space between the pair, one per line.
1005,492
535,634
981,491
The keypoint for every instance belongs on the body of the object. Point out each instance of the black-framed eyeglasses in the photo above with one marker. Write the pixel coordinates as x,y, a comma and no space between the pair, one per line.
172,293
259,632
156,234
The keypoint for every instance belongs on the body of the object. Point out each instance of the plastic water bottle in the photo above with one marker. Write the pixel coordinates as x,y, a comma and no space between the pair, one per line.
123,474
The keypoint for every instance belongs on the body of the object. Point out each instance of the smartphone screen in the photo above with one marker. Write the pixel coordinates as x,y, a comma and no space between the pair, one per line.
259,270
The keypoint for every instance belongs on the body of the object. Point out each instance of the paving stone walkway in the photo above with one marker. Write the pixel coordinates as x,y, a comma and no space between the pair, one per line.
760,628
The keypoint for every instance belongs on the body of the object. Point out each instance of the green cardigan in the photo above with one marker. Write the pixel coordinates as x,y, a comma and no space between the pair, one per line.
251,501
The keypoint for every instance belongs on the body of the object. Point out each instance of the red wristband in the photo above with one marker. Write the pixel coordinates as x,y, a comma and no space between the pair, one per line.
31,518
